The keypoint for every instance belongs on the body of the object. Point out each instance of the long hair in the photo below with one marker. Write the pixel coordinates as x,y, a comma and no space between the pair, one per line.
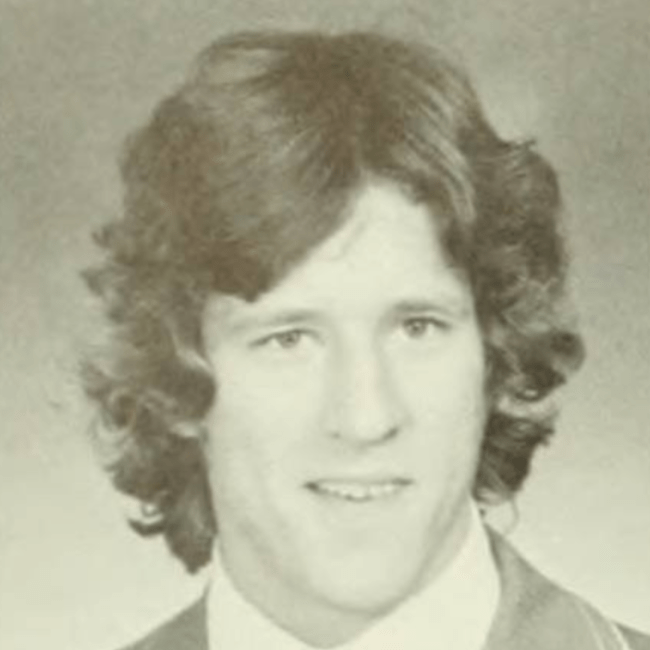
247,167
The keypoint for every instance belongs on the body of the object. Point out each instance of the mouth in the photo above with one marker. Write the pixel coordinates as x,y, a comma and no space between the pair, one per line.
359,490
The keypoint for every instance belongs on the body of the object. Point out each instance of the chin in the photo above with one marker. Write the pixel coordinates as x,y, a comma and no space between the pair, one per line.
378,577
369,589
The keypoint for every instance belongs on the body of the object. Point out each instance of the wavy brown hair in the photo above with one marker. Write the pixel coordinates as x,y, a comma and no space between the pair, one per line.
247,167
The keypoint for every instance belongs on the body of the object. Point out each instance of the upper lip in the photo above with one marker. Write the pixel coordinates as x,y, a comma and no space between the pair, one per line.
361,480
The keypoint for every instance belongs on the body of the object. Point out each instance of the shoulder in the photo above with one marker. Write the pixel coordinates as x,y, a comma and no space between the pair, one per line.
538,614
184,631
635,640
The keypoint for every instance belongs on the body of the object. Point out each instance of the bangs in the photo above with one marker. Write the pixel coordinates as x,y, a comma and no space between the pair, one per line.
256,159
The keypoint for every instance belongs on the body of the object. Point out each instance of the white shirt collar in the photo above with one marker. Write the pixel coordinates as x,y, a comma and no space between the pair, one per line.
454,611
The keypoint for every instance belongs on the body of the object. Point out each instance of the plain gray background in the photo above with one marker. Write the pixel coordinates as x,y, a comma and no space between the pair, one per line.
76,76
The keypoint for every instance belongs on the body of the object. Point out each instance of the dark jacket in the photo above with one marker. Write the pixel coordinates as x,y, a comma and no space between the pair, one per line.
534,614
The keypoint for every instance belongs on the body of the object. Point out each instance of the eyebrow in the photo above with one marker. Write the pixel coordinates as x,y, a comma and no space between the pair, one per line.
275,318
446,303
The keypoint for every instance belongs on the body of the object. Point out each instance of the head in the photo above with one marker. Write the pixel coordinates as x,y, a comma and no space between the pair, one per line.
284,165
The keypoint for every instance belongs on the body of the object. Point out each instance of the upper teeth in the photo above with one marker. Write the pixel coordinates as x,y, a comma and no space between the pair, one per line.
356,491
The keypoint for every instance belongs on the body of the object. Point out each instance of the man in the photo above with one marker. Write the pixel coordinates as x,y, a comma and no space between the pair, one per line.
339,318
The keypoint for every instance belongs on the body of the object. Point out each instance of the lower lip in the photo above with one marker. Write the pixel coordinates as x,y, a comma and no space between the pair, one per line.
359,494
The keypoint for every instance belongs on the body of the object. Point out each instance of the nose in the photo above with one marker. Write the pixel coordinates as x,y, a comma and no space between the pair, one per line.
365,406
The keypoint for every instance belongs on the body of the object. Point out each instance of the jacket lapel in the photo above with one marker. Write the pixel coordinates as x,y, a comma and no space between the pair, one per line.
186,631
535,614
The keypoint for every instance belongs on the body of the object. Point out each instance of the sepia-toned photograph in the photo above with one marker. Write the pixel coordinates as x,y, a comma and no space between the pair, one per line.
324,325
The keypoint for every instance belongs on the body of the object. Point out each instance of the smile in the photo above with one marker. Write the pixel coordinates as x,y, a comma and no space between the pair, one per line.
358,491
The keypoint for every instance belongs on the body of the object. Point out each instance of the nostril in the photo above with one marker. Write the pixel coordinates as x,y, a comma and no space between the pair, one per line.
367,433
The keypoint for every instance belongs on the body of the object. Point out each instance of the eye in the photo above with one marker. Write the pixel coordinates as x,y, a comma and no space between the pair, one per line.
287,340
421,327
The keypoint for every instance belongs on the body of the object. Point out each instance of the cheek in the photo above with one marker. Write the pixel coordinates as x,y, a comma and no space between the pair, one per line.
448,407
243,451
266,392
452,386
258,422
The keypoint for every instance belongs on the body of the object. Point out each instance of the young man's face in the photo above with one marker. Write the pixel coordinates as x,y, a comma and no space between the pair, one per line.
347,425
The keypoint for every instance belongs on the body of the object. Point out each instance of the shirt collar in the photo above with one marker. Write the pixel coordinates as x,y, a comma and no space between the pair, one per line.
455,610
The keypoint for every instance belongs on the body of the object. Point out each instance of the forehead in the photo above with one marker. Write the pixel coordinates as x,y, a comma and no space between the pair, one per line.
388,251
